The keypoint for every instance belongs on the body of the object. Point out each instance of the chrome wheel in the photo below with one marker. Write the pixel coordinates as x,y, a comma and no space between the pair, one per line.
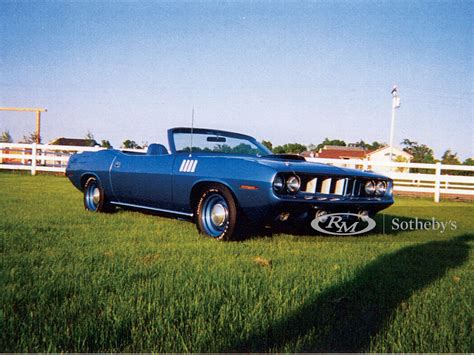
92,196
215,215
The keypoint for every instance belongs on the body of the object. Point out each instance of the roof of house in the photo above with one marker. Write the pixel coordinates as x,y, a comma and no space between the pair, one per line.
79,142
342,154
341,147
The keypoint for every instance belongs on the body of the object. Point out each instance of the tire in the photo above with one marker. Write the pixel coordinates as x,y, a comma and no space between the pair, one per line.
216,213
94,197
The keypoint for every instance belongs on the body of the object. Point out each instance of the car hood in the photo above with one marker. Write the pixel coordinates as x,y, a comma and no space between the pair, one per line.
303,166
296,164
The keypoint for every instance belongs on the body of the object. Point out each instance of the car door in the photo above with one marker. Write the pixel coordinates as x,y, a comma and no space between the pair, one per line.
143,180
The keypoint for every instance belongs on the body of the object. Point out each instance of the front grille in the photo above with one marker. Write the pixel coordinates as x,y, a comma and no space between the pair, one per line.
342,186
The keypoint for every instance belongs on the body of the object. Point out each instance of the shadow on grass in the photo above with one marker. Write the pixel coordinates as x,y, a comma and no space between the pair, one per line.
346,316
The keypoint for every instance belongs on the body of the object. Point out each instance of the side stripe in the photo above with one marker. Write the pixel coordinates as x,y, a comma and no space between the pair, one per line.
188,166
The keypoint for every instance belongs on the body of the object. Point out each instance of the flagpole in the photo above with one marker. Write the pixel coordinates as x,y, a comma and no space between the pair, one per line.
395,105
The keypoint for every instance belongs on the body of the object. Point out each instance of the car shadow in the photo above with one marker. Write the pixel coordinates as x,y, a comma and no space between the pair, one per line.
346,316
250,231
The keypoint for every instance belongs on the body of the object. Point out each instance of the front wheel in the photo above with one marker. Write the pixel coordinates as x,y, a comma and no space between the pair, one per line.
216,213
94,197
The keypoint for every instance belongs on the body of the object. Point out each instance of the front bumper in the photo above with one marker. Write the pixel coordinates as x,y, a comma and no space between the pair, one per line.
297,208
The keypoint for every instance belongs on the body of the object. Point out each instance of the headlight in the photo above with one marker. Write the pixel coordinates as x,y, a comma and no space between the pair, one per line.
380,188
293,183
278,183
389,191
369,187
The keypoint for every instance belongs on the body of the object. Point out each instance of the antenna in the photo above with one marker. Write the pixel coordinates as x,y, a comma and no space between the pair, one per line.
192,130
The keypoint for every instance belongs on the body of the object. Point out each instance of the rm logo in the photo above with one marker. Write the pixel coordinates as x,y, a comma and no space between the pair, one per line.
343,224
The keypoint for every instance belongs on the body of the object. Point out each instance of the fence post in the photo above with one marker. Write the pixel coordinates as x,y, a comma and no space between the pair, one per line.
437,182
33,159
365,164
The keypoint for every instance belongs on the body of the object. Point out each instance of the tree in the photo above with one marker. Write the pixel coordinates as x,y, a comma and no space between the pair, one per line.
90,139
106,144
400,159
294,148
130,144
279,149
361,144
367,146
243,148
30,138
268,144
328,141
376,145
421,152
468,161
6,137
450,158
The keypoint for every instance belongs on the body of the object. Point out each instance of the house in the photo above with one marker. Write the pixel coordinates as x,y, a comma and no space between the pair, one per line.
308,154
383,155
342,152
352,152
78,142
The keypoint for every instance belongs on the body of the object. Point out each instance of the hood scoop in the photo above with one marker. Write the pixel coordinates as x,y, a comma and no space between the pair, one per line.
286,157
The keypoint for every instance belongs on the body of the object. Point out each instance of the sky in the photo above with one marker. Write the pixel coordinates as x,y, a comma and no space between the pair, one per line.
286,71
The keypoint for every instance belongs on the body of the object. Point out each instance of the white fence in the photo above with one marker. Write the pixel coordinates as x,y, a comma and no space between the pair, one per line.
54,158
38,157
435,183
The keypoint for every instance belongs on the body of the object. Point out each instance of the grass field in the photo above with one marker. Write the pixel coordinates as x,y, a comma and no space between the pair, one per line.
77,281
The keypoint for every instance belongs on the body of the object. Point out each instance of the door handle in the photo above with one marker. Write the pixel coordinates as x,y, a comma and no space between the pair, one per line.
117,164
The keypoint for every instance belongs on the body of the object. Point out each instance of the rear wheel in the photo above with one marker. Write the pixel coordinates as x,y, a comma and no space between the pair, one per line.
94,197
216,213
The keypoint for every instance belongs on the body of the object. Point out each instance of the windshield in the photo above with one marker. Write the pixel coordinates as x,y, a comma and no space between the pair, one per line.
221,142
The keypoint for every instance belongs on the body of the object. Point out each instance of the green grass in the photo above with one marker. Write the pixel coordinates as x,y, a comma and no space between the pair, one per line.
77,281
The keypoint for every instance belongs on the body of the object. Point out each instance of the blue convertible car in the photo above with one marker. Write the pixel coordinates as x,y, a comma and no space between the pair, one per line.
224,181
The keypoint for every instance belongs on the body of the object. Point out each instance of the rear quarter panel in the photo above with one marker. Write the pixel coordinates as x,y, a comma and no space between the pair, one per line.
91,163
